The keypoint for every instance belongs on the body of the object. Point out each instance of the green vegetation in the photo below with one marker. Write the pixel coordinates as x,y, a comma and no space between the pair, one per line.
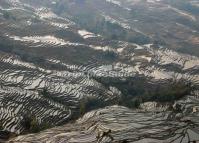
90,103
1,125
46,94
30,121
109,55
165,93
8,15
32,125
138,90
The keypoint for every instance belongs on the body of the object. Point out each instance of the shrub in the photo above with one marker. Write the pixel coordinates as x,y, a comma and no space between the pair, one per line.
6,15
32,125
90,103
137,90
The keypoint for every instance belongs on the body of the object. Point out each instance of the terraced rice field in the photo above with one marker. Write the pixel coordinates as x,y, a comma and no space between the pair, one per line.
50,64
125,125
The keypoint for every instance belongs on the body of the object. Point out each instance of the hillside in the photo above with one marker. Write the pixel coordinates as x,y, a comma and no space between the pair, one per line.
60,60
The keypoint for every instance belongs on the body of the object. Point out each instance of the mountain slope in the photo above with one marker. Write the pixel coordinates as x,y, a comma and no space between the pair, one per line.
120,124
60,59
